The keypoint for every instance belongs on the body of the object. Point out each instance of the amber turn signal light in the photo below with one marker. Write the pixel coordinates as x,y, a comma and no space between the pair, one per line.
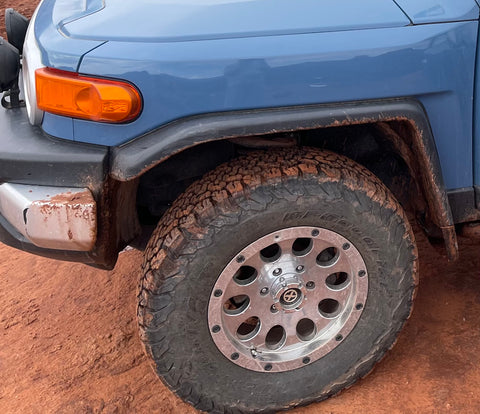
70,94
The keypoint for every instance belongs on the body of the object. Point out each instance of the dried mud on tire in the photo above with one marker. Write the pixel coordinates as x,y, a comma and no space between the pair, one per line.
249,197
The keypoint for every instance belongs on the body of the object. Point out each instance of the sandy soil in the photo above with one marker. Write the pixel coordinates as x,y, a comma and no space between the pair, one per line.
69,343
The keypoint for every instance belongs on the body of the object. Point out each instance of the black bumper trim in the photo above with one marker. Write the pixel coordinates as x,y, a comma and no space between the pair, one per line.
29,156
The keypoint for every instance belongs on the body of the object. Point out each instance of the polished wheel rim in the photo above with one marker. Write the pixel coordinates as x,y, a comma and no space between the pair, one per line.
288,299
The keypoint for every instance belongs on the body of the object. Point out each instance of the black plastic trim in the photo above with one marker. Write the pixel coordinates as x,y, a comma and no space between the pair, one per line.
29,156
135,157
462,203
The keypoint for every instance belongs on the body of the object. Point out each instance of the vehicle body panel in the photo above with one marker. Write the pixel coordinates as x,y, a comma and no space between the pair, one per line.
434,63
59,51
186,20
437,11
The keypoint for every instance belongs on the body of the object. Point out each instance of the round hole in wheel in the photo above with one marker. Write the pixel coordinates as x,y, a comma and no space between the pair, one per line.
248,329
302,246
294,193
305,329
337,280
275,337
236,304
329,308
327,257
245,275
270,253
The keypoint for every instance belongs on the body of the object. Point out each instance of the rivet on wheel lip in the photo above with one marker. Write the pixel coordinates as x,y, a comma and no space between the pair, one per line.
338,338
217,293
306,360
315,233
240,259
362,273
346,246
268,367
215,328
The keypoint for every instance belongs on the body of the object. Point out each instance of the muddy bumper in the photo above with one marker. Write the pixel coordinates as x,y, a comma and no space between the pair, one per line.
48,191
51,217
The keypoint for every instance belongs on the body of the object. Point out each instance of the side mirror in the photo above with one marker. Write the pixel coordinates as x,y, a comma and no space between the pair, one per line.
16,25
9,65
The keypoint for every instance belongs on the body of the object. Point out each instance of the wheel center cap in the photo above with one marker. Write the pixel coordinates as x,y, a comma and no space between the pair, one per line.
290,296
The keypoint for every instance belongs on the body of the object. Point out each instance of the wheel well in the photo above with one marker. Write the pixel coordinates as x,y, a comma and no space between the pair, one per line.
385,148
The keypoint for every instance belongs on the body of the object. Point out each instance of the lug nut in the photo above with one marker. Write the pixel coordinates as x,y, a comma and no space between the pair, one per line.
273,309
277,271
299,268
264,291
310,285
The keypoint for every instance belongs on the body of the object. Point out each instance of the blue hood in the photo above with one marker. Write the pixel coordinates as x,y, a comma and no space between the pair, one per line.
189,20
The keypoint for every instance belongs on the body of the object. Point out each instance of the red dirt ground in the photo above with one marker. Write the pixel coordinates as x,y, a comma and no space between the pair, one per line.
69,343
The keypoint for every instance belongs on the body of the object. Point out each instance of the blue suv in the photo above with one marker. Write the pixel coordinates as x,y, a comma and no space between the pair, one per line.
268,156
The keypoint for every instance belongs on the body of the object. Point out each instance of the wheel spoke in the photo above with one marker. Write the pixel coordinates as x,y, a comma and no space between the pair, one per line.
342,264
311,312
341,296
252,290
232,322
289,323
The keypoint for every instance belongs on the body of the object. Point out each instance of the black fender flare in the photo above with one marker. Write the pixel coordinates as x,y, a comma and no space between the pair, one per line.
132,159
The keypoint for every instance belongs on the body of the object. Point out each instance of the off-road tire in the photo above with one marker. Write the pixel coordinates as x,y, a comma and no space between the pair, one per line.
231,207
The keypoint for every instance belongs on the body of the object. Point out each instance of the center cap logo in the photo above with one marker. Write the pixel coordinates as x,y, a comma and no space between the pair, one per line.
290,295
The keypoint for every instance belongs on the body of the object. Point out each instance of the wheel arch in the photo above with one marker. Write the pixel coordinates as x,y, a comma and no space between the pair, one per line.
403,122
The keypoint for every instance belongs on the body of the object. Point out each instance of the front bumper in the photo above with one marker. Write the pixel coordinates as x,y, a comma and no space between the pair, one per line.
48,191
51,217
